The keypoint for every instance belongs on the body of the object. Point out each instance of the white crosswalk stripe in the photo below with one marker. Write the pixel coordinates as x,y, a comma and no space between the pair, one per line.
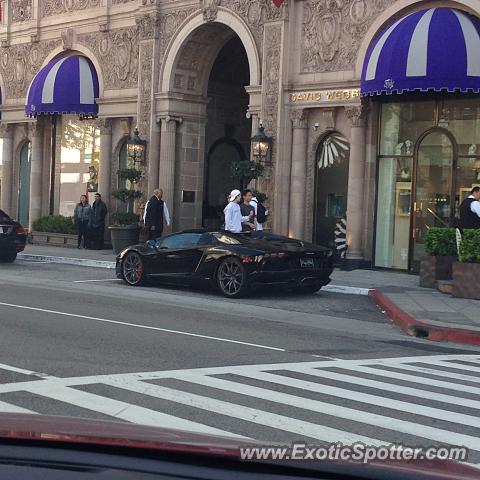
429,400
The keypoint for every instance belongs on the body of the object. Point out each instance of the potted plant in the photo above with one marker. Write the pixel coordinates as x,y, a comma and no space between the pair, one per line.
440,244
466,271
244,171
54,230
125,227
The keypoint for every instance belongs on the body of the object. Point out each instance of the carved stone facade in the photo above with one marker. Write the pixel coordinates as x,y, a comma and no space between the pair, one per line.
333,30
117,53
19,64
21,10
55,7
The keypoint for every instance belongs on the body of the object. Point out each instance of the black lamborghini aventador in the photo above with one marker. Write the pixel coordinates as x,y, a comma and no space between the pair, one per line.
231,262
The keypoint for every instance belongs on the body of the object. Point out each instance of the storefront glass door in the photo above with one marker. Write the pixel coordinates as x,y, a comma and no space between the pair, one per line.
432,199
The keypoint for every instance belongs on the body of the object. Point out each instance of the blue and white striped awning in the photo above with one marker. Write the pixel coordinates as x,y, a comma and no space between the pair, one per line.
433,49
66,85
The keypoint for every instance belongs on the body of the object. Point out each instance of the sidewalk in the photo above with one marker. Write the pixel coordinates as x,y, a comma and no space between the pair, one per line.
419,312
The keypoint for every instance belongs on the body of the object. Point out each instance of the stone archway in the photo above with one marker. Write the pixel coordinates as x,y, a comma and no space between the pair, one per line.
204,79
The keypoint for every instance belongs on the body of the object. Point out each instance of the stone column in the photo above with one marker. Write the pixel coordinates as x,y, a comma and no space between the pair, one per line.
36,162
356,175
166,176
154,157
105,171
6,133
298,177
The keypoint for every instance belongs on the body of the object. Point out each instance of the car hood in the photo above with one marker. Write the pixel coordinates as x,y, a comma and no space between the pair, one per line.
70,430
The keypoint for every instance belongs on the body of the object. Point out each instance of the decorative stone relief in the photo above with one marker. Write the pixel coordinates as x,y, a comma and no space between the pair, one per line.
6,130
67,38
271,96
333,30
299,118
56,7
104,125
21,10
119,2
145,88
117,52
20,63
356,114
210,9
148,26
169,24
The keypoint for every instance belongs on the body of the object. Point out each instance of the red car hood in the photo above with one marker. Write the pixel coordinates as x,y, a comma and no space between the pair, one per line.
70,430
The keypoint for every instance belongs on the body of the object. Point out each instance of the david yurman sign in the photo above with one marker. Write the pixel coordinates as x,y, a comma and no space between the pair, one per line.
325,96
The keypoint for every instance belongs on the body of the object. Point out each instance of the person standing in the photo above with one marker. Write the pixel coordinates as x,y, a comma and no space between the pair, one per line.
99,212
233,215
156,214
248,210
470,210
82,218
260,211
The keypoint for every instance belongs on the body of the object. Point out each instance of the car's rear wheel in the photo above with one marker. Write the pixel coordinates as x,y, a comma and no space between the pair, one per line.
308,289
133,269
8,257
232,278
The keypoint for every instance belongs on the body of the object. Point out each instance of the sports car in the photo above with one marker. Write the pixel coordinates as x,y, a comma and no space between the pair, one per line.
12,238
233,263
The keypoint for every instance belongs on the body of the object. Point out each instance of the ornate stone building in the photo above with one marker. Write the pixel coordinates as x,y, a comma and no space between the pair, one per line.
197,77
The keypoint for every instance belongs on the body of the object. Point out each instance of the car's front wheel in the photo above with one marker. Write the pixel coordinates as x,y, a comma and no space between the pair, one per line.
133,269
232,278
8,257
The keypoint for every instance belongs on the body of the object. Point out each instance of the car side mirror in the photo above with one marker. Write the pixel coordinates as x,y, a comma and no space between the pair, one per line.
152,243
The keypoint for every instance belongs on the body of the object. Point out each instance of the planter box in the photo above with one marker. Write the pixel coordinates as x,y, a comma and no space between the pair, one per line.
53,239
465,280
123,236
433,268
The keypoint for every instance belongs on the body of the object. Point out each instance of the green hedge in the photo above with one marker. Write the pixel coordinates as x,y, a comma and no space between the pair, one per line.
55,224
441,242
124,218
470,246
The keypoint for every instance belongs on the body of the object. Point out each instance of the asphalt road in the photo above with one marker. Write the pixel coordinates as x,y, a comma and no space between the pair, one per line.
276,367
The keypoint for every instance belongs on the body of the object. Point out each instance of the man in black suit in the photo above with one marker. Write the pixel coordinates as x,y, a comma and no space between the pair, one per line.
156,214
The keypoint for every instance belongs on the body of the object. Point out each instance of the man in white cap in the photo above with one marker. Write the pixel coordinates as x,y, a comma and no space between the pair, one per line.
233,215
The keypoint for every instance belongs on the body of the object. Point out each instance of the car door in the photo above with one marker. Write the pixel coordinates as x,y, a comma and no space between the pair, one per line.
178,255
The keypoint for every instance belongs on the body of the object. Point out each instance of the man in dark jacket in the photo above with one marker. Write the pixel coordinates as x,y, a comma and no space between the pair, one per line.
99,212
156,214
470,210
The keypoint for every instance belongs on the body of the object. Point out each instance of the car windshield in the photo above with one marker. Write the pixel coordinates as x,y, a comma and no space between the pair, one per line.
3,216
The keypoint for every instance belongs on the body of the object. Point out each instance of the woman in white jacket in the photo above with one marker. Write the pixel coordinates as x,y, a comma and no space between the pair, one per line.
233,215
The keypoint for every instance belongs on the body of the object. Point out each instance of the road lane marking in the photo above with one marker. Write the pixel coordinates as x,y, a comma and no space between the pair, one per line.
121,410
146,327
9,408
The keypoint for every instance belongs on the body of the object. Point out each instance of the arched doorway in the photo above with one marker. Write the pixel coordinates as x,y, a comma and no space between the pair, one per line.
228,131
433,187
205,101
331,182
24,184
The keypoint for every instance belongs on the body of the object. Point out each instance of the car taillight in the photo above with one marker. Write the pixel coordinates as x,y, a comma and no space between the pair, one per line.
20,230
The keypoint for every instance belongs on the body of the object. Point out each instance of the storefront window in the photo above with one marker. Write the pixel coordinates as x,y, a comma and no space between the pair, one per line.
462,117
80,158
393,212
402,124
467,176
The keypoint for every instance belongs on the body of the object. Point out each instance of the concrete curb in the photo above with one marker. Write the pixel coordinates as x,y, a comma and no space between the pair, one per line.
82,262
416,328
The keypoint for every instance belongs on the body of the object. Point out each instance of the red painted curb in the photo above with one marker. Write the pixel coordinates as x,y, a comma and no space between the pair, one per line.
415,328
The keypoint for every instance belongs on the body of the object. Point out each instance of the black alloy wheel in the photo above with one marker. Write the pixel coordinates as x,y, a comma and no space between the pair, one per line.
232,278
133,270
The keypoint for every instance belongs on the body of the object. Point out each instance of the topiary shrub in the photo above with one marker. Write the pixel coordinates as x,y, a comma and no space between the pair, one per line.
55,224
470,246
441,242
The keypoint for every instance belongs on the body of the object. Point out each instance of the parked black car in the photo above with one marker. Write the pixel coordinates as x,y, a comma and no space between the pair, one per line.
231,262
12,238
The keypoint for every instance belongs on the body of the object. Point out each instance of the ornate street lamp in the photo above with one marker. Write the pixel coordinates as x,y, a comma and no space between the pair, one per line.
262,147
136,148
